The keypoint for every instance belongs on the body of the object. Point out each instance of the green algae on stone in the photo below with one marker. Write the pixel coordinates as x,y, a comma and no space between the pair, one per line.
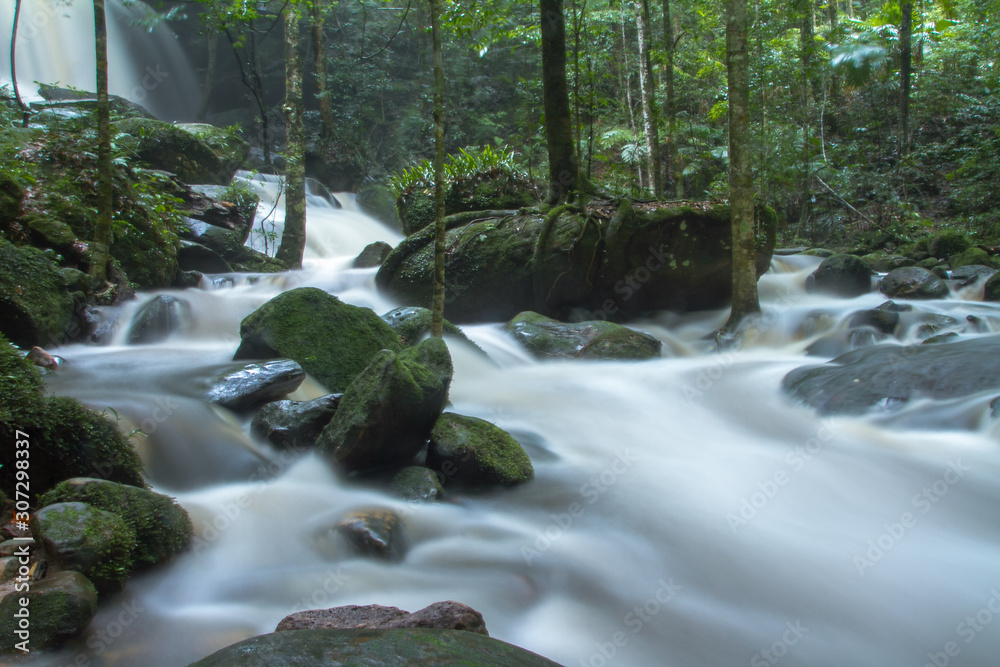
472,452
60,607
35,306
597,339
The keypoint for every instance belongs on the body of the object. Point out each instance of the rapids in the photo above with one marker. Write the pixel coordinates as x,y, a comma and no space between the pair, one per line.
684,512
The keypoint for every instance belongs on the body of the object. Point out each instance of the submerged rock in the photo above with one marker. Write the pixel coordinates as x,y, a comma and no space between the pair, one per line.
842,275
61,606
413,324
885,318
474,453
912,282
446,615
417,483
375,532
292,424
254,384
159,318
548,338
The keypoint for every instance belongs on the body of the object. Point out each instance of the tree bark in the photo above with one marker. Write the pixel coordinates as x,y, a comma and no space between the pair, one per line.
319,49
649,122
105,193
745,300
206,90
437,307
558,124
807,47
672,158
293,237
905,68
13,64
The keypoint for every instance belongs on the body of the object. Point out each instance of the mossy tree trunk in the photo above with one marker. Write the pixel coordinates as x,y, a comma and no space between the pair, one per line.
293,238
745,301
211,44
649,120
672,156
905,65
437,305
105,194
555,93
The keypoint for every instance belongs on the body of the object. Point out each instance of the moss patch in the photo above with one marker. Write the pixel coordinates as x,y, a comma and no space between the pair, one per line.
471,452
35,306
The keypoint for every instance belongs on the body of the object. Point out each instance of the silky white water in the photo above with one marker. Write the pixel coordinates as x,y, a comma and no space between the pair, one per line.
684,512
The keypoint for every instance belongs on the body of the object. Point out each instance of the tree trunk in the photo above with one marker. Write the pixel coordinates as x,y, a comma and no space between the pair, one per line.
807,48
648,101
293,237
319,49
626,79
206,90
13,64
672,156
745,301
558,125
105,194
905,65
437,307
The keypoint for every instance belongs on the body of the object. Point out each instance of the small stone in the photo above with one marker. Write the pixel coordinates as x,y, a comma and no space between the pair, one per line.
254,384
417,483
374,532
373,255
446,615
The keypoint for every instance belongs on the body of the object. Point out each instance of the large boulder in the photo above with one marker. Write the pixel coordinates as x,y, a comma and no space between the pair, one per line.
36,308
946,243
232,149
842,275
162,527
254,384
891,375
60,607
95,543
972,256
174,149
912,282
473,453
446,615
597,339
293,424
377,200
332,340
400,647
11,194
387,412
158,318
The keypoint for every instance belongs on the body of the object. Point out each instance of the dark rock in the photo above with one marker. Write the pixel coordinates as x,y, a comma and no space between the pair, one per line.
178,151
474,453
387,412
884,318
159,318
80,537
912,282
35,306
932,324
373,255
188,279
991,290
842,275
413,324
193,256
333,341
947,243
377,200
818,252
162,527
598,339
61,606
401,647
885,263
374,532
231,149
50,233
86,102
294,424
332,169
255,384
248,260
417,483
971,273
892,375
447,615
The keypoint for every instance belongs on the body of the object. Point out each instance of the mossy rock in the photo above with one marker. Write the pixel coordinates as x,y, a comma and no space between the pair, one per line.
991,290
912,282
174,149
77,442
95,543
61,606
35,306
972,256
11,195
162,527
377,200
417,483
402,647
947,243
333,341
248,260
474,453
387,412
598,339
496,191
885,263
232,149
413,324
49,233
841,275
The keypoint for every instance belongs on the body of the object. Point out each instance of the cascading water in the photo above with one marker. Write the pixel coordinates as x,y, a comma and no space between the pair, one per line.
55,45
684,511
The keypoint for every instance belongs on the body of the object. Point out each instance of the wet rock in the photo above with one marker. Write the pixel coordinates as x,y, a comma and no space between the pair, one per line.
35,306
413,324
374,532
932,324
332,340
972,273
474,453
818,252
248,260
548,338
886,263
159,318
373,255
972,256
178,151
91,541
255,384
294,424
378,201
162,527
912,282
884,318
400,647
991,290
446,615
188,279
887,375
8,569
417,483
193,256
387,412
61,606
843,275
43,359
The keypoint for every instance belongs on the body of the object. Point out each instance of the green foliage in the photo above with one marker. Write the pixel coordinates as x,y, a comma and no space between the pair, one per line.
467,165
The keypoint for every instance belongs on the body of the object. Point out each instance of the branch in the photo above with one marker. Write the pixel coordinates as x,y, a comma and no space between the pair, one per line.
843,201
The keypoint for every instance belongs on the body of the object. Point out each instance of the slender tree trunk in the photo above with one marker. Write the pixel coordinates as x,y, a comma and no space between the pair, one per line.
558,125
745,301
105,193
13,64
649,119
293,238
627,84
437,307
206,90
807,48
578,14
905,65
672,156
319,49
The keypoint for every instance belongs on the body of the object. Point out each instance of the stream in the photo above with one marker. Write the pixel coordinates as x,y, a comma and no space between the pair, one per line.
684,511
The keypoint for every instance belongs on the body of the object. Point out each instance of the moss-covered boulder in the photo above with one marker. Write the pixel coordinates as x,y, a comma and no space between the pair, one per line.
49,233
404,647
232,149
973,256
912,282
161,526
95,543
473,453
387,412
77,442
333,341
11,194
60,607
842,275
174,149
947,243
547,338
36,308
417,483
884,263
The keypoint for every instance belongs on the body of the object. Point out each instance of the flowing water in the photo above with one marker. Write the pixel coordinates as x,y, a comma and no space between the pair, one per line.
684,512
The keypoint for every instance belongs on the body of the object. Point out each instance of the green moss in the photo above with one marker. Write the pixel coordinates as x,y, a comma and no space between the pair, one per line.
472,452
61,605
35,306
11,194
947,243
972,256
597,339
417,483
171,148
